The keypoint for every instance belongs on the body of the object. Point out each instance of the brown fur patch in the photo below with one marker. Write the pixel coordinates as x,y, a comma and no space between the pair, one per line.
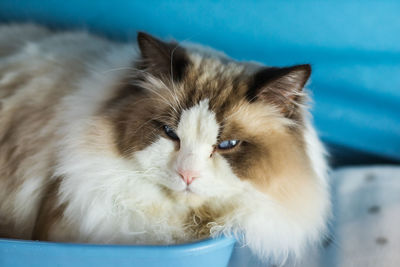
7,229
135,116
272,155
49,213
11,87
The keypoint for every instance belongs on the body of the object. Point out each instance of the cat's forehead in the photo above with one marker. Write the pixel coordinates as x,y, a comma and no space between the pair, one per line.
223,84
198,125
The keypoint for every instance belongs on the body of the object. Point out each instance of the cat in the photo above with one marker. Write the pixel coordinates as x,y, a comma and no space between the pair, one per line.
154,143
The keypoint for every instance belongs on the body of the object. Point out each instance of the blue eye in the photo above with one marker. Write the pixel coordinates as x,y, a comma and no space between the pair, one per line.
228,144
170,133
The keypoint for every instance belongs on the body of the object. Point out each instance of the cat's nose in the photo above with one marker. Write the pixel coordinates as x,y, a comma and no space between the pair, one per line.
188,175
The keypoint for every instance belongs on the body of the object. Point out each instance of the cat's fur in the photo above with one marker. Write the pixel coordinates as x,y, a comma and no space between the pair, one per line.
84,157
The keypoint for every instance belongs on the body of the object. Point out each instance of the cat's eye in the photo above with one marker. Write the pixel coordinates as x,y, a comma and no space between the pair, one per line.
228,144
170,133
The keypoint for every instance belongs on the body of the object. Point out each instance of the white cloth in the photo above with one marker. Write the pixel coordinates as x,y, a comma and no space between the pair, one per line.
365,228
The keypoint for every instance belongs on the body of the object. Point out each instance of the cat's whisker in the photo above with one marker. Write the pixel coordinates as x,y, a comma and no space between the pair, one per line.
119,69
171,62
171,91
154,91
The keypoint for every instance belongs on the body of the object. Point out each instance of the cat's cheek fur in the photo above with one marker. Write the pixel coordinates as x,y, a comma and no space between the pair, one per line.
272,229
219,181
277,229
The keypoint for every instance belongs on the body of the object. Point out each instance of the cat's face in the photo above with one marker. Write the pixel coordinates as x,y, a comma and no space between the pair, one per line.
203,127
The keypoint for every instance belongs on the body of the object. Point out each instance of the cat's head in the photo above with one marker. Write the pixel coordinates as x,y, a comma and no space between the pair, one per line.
205,127
202,122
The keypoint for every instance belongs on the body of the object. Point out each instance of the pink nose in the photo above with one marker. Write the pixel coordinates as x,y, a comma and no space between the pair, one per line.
188,175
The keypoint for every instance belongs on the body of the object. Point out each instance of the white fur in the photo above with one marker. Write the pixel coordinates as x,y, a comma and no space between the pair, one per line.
26,210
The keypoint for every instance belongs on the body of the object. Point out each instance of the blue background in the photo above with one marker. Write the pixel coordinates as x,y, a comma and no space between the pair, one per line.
353,46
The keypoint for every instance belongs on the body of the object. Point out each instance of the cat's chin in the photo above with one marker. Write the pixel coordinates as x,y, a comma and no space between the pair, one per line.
188,197
184,195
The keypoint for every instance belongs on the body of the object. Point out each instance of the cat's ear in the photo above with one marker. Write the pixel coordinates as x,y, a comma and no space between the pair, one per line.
161,58
282,87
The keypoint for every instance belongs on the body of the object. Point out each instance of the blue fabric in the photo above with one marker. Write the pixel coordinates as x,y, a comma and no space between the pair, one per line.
352,45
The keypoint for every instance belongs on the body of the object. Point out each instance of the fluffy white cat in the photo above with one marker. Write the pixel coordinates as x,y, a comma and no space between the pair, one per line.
105,142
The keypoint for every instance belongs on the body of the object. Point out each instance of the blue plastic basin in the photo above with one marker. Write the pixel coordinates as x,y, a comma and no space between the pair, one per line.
206,253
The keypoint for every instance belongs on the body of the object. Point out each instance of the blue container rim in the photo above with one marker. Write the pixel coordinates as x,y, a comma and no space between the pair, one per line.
197,247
